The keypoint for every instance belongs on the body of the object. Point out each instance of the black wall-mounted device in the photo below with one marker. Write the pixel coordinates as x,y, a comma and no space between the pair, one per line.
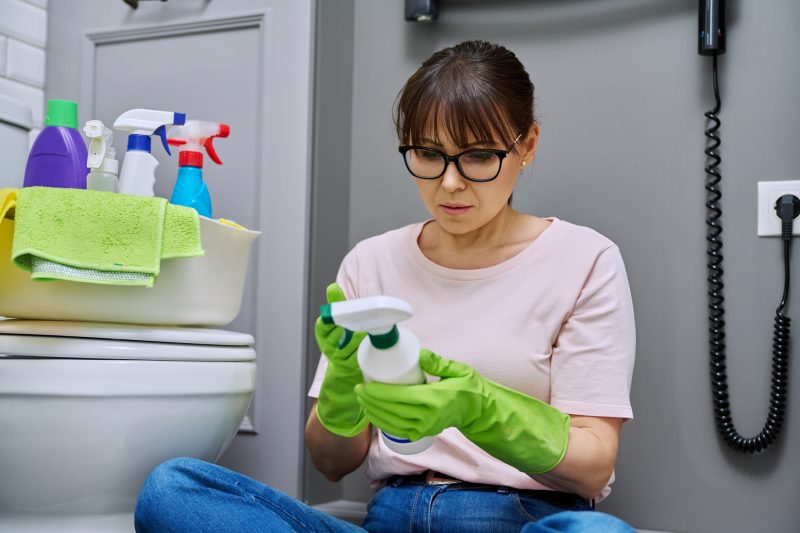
422,10
711,28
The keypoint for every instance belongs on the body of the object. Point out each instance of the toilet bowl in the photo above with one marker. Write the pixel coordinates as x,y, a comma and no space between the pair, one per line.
87,410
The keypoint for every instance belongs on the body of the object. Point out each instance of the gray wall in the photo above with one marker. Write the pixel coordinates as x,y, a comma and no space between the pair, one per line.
330,190
621,94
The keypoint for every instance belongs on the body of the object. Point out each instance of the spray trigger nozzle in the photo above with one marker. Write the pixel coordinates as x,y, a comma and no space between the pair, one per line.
100,143
197,135
148,122
161,131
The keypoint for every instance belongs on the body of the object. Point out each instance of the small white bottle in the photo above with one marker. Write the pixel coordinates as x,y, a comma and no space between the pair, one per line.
104,178
388,355
101,160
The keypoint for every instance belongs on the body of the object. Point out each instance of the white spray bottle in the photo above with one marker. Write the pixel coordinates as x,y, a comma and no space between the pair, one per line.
389,354
102,163
139,167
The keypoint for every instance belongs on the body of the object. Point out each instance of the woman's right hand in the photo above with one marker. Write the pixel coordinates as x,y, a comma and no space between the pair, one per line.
337,408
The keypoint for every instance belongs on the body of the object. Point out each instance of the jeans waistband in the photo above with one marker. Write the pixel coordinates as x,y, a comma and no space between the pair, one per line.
430,477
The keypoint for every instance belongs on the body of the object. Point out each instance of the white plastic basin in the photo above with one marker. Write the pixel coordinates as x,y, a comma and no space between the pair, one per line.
198,291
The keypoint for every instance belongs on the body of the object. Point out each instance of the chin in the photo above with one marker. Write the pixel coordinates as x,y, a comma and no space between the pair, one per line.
457,226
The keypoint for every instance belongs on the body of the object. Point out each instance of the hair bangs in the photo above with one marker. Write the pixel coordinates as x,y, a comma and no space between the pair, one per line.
459,108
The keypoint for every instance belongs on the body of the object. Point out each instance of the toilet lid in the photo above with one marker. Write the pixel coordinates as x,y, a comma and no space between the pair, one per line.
90,340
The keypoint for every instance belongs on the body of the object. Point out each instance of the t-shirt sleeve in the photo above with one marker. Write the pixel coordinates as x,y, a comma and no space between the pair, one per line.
592,361
347,278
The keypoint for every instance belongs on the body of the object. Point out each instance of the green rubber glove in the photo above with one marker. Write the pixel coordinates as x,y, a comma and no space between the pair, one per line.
338,409
519,430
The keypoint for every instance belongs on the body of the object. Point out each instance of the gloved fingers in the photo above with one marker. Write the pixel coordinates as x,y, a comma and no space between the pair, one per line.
396,426
438,366
376,403
345,338
386,421
327,335
321,329
350,340
334,293
337,343
413,414
398,394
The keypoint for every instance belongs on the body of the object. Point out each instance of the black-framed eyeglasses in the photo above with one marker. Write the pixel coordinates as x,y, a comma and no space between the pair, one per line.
476,164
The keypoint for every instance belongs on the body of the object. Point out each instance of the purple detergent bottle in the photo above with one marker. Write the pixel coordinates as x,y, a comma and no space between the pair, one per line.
58,155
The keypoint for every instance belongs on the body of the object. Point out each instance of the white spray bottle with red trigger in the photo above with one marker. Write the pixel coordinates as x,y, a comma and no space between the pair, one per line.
389,354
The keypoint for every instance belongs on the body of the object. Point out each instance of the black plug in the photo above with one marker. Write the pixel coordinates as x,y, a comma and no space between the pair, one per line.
787,208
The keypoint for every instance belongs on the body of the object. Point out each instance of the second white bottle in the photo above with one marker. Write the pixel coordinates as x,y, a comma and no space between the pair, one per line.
390,354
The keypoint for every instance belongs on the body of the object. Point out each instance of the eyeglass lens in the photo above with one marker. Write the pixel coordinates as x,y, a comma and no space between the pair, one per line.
474,164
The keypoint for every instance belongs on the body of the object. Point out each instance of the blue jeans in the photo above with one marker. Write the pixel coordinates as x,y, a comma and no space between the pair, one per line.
189,495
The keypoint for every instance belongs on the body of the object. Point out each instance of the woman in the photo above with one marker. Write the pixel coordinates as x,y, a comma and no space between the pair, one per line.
528,330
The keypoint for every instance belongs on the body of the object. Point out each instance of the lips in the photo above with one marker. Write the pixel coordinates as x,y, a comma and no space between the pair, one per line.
455,209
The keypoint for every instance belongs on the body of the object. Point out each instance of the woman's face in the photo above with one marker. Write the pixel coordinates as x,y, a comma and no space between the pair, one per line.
461,206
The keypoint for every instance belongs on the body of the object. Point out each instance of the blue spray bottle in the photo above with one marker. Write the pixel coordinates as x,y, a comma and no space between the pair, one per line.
192,138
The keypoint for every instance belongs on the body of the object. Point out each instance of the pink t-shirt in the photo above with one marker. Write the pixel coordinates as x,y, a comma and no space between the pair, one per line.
554,322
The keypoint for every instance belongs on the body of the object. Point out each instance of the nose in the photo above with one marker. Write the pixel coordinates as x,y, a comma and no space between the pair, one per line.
452,180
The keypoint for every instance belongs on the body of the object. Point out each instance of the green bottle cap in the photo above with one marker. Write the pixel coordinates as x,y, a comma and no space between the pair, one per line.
386,340
62,113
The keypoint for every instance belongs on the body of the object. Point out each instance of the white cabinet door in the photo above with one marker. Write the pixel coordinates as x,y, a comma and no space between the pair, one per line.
249,64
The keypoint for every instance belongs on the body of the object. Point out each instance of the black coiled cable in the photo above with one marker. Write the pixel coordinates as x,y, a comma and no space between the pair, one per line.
716,315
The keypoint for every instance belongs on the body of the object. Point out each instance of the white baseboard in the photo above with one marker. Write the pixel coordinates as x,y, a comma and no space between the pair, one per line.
349,510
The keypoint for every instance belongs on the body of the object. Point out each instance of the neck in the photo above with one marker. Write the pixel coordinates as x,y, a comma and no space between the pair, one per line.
491,235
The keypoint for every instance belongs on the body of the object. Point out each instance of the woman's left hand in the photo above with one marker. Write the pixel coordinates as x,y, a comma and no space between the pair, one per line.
416,411
519,430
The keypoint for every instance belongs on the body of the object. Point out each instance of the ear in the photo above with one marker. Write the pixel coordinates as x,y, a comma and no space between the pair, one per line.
529,144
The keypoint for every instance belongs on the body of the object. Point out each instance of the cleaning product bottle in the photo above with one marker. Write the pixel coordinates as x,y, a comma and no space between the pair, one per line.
102,163
389,354
139,166
192,137
58,155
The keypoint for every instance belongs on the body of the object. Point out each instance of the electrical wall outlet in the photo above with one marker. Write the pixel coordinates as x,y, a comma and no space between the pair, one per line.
769,225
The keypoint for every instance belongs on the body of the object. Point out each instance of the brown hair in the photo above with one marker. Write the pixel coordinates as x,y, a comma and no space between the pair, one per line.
474,88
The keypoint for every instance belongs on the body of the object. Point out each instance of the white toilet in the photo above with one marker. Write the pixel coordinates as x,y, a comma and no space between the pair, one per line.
88,409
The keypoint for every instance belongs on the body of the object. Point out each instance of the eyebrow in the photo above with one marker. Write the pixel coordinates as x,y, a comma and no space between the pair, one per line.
473,143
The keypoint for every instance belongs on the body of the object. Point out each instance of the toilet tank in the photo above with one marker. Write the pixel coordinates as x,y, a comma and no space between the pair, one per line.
15,125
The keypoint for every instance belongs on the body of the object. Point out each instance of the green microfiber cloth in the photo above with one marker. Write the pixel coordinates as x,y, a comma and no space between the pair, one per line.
100,237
